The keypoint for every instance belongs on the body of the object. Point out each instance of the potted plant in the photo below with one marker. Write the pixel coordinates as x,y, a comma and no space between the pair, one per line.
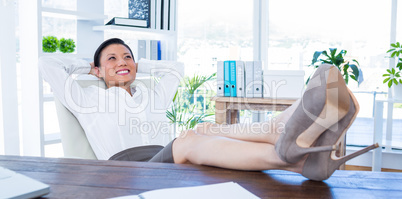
393,76
50,44
184,113
350,69
67,45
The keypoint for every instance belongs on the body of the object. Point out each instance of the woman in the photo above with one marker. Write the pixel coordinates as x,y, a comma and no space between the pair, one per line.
119,117
301,139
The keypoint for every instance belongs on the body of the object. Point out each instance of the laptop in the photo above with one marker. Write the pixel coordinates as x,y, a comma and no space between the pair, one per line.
15,185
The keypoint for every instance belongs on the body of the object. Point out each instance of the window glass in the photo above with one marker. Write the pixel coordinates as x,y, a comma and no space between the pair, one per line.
399,22
59,27
299,28
295,34
50,118
209,31
397,112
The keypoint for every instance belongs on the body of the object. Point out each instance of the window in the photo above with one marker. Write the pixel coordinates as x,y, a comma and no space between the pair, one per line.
210,31
299,28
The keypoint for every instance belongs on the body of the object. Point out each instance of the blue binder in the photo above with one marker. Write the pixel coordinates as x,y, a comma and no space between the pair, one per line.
226,77
232,78
159,51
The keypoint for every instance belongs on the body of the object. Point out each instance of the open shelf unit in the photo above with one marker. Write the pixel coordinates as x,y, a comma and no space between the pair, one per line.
71,14
134,29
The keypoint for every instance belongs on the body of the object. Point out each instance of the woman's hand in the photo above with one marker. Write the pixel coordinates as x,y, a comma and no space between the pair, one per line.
94,70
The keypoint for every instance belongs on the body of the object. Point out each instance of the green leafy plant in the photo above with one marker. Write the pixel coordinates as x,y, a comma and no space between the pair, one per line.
50,44
67,45
393,75
185,112
350,69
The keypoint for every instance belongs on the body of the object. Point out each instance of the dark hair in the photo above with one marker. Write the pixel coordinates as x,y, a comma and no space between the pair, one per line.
105,44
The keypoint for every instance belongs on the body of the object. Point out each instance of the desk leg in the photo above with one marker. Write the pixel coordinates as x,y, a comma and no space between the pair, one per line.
221,113
234,116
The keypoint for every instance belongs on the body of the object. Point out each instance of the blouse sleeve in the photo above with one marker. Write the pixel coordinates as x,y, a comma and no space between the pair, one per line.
58,72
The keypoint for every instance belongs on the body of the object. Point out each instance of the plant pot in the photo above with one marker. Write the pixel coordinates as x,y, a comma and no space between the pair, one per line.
397,92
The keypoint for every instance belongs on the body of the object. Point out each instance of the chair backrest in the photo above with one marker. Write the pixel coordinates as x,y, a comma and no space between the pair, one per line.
73,138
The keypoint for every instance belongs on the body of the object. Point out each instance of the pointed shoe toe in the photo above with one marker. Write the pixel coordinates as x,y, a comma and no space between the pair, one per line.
323,104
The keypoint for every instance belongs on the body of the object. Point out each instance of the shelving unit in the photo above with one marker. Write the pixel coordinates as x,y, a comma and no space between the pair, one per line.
91,31
72,14
135,29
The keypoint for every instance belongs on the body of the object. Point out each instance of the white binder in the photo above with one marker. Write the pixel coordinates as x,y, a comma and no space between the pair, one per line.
240,79
154,50
257,79
142,49
249,77
219,79
148,48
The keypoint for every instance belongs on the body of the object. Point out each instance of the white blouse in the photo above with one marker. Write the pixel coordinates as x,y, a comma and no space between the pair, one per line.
112,119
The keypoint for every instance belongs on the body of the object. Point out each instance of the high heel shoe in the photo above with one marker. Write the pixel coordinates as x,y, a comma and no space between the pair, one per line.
320,166
322,105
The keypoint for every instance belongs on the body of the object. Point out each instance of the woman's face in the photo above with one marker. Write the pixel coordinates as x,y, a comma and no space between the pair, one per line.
117,66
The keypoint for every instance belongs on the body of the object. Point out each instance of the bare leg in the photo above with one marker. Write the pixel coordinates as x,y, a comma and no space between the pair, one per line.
228,153
267,132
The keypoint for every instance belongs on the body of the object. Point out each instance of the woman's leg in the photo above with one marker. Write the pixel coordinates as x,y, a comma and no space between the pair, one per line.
266,132
229,153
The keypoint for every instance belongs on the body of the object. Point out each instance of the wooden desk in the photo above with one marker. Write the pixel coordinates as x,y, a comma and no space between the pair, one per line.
226,108
74,178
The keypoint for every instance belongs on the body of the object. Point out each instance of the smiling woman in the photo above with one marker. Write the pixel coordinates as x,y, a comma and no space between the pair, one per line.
123,115
114,63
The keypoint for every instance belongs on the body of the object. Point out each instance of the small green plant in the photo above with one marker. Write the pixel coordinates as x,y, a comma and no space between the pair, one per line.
67,45
393,75
349,69
185,113
50,44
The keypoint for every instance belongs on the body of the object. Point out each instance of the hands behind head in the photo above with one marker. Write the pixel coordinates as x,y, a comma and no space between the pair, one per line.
94,70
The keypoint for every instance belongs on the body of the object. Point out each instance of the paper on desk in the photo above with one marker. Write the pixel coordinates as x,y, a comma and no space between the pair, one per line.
222,190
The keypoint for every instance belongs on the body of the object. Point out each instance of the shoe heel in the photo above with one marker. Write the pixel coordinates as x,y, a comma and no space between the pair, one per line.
343,159
320,166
